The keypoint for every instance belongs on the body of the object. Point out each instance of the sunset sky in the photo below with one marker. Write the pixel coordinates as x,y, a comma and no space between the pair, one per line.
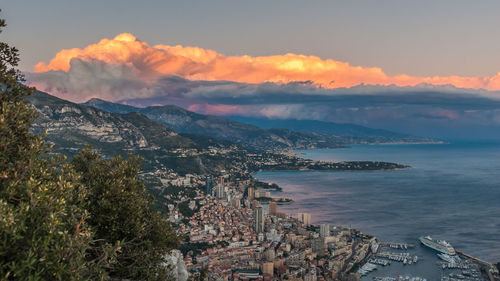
381,63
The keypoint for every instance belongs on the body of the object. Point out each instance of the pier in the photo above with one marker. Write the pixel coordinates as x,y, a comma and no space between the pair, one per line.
405,258
394,245
492,270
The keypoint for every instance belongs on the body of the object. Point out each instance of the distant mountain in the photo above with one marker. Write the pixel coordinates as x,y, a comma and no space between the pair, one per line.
262,134
77,124
109,106
350,133
71,126
184,121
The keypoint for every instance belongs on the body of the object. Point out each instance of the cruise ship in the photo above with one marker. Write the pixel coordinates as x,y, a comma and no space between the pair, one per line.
438,245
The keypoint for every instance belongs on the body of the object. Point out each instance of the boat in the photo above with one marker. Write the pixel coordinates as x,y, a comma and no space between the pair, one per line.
438,245
450,259
446,258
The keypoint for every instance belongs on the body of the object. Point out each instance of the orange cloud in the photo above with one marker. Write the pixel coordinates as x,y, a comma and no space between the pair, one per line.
151,62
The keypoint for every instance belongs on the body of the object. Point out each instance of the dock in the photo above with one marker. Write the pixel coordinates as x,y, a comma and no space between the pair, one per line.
395,245
493,274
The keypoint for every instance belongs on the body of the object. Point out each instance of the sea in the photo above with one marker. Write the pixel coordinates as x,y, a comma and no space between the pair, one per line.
451,192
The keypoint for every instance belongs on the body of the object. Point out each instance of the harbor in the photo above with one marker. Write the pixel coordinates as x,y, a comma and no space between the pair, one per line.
405,258
395,261
384,254
394,245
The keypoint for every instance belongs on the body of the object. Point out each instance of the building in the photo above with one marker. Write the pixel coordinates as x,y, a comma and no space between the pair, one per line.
324,230
272,208
219,191
259,219
318,245
251,193
236,202
255,203
249,273
209,186
268,268
310,276
304,218
270,254
262,194
273,236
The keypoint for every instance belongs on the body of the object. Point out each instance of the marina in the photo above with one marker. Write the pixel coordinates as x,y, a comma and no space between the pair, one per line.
392,259
402,220
382,262
405,258
366,268
394,245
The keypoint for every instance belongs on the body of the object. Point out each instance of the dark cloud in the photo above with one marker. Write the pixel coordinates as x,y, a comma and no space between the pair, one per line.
439,111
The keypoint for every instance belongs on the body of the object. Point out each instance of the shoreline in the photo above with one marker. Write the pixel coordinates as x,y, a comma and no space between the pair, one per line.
299,153
490,264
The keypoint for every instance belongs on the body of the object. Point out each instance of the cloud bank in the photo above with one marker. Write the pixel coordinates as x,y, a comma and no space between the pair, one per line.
125,69
147,63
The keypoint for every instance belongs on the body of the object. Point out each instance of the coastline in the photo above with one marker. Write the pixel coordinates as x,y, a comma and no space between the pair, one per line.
471,151
297,152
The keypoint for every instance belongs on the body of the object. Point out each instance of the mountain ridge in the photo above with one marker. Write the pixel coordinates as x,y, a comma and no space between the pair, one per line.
71,126
253,134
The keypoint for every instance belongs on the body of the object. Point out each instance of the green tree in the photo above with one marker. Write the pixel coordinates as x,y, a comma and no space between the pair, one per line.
43,234
85,220
120,214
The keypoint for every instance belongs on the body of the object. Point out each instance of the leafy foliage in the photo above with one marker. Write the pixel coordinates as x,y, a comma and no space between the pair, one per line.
85,220
42,231
120,215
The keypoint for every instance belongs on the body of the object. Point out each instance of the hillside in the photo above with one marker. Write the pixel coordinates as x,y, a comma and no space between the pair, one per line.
71,126
250,136
77,124
260,133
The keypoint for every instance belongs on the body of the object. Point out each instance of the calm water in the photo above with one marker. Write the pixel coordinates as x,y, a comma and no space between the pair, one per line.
451,192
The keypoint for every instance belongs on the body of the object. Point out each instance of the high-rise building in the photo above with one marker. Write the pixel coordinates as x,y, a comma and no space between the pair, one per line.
209,186
272,208
259,219
220,191
304,218
324,230
251,193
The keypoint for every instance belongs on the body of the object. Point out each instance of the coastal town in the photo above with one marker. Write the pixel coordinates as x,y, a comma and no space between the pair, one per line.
249,140
234,231
231,236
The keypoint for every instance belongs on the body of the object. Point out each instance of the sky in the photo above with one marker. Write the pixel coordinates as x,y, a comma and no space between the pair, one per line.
419,38
429,68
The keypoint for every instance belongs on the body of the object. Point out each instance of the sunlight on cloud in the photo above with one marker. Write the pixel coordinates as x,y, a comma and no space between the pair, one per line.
151,62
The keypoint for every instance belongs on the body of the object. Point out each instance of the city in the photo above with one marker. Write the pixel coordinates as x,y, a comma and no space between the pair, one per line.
235,232
249,140
246,241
